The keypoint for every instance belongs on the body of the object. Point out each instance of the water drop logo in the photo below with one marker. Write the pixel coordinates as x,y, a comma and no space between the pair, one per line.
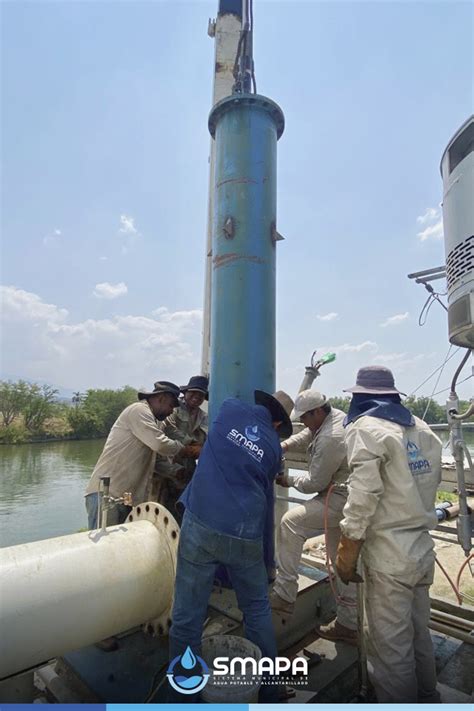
188,673
412,451
252,433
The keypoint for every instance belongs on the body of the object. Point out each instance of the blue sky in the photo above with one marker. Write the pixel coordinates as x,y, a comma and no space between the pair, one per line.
105,166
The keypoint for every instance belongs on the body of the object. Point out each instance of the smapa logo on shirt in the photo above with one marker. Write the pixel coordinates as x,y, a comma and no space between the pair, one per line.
248,441
416,461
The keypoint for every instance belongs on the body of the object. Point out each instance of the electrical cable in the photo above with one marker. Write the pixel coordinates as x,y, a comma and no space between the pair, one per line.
437,381
235,71
434,373
244,68
461,570
425,310
254,82
459,368
433,296
456,591
446,389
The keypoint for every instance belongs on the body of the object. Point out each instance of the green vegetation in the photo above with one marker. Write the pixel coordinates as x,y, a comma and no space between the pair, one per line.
94,414
30,412
446,496
340,403
435,413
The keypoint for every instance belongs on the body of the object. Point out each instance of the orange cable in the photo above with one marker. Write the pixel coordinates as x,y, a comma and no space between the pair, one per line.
458,579
456,591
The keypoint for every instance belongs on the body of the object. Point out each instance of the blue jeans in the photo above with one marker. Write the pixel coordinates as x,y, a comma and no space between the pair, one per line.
201,550
115,515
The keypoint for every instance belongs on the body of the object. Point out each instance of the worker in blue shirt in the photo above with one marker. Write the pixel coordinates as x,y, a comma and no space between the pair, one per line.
228,505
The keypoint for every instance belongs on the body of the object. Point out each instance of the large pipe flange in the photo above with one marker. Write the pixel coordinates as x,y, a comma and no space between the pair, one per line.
168,528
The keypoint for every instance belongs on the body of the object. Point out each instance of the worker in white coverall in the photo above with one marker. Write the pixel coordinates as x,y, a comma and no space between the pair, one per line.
395,463
327,467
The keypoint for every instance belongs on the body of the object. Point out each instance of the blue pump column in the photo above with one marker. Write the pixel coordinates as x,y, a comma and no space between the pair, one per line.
246,128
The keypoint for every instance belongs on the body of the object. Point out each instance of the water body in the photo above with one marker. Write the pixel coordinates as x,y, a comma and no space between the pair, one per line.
42,488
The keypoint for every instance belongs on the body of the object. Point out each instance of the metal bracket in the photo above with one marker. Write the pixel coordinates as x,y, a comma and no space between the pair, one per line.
228,228
276,236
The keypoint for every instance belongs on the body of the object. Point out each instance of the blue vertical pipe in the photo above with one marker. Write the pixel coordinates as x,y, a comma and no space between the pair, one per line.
246,128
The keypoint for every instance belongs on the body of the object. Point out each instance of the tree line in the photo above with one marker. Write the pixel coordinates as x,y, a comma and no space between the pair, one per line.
29,411
423,407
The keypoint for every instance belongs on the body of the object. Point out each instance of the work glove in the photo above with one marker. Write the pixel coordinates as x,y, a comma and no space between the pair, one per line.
190,451
346,560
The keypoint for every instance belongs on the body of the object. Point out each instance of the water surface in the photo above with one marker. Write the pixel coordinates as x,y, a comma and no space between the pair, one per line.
42,489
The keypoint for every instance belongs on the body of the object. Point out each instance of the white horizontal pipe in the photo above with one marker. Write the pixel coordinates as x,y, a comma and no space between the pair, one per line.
64,593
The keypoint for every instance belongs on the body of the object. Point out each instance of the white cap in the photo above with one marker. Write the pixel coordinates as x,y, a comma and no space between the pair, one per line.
308,400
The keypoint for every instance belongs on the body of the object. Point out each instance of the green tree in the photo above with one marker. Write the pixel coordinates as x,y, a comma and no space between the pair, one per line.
15,433
340,403
435,413
84,423
13,398
95,415
39,406
77,398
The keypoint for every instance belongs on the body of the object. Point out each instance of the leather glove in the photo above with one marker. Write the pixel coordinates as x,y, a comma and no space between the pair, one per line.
346,560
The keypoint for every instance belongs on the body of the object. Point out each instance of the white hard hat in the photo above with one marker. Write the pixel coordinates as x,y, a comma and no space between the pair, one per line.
308,400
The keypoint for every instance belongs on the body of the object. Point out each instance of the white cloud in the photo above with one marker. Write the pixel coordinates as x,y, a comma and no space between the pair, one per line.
184,318
110,291
395,320
45,343
351,347
433,219
356,347
431,214
53,238
398,361
18,305
129,232
127,225
433,232
103,259
327,317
